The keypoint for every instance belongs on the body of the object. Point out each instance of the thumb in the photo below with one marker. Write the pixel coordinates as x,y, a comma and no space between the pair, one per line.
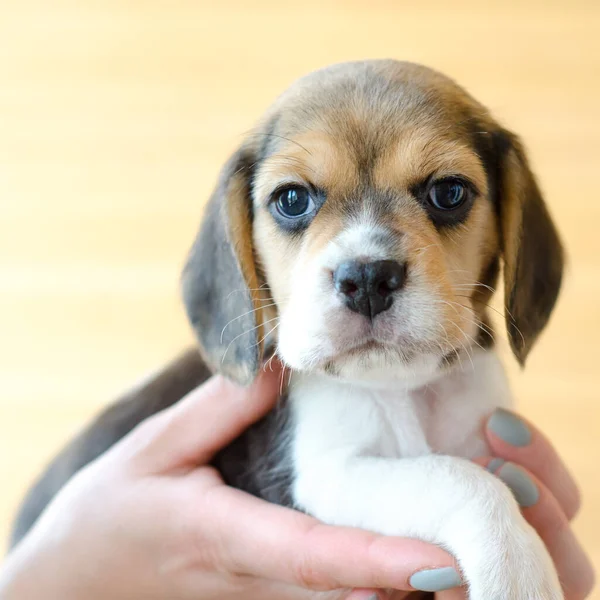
192,431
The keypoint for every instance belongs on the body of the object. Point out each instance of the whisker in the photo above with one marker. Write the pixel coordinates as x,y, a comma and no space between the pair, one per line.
239,336
458,271
512,319
426,247
470,338
467,337
281,382
462,368
276,159
262,288
281,137
269,363
465,348
476,284
267,334
451,305
242,315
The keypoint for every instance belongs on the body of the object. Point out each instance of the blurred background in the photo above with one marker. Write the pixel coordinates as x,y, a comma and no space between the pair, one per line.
115,117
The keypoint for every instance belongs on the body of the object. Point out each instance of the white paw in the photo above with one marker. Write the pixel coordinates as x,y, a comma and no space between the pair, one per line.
508,561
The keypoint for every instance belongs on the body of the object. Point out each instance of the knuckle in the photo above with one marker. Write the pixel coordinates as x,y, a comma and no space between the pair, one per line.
202,539
208,551
310,576
143,435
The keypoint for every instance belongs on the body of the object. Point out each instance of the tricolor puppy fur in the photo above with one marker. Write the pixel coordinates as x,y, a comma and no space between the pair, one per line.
358,233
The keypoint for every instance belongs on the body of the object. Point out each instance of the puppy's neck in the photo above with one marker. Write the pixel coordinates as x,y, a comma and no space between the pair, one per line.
444,414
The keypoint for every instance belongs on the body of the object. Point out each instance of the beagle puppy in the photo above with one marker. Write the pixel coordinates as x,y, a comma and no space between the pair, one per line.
358,234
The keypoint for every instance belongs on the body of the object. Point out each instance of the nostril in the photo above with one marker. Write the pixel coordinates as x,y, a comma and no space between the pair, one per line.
347,287
386,276
396,278
384,289
348,278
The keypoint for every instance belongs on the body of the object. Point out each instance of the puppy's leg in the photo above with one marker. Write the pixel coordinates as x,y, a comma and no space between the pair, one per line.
439,499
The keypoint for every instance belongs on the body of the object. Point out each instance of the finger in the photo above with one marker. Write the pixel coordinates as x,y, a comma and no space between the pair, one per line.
192,431
516,440
256,538
455,594
544,513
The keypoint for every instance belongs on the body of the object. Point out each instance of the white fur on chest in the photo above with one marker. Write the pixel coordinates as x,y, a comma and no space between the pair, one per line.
391,420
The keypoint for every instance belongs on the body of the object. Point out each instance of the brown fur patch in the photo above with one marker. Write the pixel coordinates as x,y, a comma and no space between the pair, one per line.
366,149
420,153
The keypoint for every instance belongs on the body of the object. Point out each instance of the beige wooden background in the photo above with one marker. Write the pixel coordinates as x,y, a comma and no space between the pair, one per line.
115,116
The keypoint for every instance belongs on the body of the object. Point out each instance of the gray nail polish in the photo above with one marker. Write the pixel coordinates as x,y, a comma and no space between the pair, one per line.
435,580
495,464
521,485
510,428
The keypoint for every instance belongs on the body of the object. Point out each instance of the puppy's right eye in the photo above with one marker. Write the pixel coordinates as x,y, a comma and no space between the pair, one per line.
294,202
294,206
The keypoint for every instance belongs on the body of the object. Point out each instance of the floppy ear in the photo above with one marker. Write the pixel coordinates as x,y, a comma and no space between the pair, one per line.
532,251
220,280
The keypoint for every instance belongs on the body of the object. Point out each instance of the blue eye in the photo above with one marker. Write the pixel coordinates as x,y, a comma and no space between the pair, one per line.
447,194
294,202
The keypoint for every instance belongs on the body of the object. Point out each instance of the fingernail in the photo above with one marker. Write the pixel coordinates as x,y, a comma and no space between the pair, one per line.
495,464
521,485
435,580
510,428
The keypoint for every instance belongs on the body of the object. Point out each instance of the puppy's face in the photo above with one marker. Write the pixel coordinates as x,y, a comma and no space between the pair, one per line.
381,203
374,226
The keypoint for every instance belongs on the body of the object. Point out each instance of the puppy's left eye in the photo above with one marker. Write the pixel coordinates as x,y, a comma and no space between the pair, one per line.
447,194
294,202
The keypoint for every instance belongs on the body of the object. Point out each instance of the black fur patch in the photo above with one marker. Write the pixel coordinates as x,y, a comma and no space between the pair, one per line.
259,461
537,279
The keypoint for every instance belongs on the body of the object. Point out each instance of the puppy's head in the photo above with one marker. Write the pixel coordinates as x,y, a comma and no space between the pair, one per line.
360,228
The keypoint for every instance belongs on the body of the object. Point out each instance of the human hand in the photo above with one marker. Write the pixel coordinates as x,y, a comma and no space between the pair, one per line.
151,519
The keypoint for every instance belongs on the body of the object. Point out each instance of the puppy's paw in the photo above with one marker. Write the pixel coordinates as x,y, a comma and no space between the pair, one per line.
514,567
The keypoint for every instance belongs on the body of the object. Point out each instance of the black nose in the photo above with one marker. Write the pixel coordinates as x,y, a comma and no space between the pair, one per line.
368,288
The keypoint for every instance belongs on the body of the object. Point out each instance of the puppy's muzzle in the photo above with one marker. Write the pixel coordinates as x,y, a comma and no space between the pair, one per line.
368,288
